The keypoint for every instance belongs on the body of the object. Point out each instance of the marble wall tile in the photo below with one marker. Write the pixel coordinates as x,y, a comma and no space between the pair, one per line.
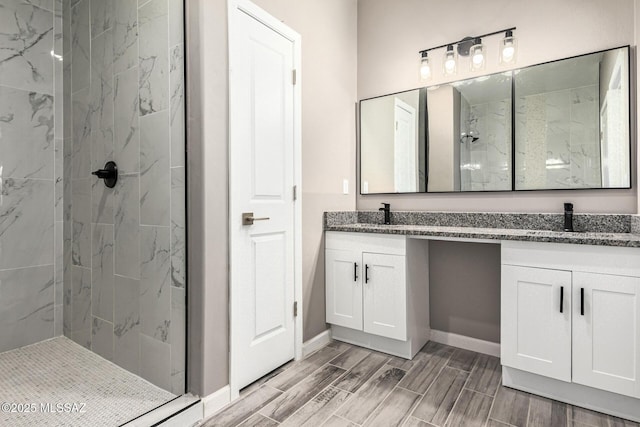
127,226
58,70
176,22
58,200
126,121
102,272
67,165
155,283
81,156
81,220
42,4
66,33
101,17
80,45
178,229
101,202
57,323
102,113
102,338
26,306
126,324
154,56
80,299
67,309
26,223
155,178
25,58
178,342
26,132
157,361
125,35
82,337
178,134
67,106
59,263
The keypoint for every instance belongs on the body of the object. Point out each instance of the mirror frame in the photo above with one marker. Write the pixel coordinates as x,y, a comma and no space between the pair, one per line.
632,83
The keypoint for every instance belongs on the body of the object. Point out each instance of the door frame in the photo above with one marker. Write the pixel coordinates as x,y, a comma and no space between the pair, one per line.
234,7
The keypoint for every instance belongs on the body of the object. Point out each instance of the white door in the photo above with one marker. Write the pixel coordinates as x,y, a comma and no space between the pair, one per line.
385,295
536,321
405,148
261,186
606,332
343,280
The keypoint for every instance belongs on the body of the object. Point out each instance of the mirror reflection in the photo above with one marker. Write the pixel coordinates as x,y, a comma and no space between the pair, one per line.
393,143
568,128
572,123
470,135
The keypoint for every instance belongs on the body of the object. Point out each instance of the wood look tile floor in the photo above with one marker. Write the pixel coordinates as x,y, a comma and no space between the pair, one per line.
342,385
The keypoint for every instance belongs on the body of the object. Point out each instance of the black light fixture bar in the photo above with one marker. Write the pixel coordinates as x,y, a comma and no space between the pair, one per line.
467,38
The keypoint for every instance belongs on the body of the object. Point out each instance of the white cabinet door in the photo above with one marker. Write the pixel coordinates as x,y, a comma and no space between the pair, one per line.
606,332
536,321
385,295
343,280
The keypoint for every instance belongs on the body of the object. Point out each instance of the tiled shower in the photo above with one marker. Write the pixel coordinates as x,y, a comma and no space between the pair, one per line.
83,82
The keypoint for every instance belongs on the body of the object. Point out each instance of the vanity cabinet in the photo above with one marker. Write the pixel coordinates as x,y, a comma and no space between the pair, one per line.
573,320
373,298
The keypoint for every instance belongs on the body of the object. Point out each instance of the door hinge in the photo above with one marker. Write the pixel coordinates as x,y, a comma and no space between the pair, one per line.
293,77
295,193
295,309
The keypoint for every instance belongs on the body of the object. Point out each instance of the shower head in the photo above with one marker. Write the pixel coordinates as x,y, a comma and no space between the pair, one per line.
464,138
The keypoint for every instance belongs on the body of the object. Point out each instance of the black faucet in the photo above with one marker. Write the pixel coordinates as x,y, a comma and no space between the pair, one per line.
568,217
387,212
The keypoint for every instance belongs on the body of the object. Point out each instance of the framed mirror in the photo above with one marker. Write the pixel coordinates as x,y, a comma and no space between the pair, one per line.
393,143
469,134
572,123
559,125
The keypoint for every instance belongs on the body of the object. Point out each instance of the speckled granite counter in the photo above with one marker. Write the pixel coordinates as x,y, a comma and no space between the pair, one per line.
601,230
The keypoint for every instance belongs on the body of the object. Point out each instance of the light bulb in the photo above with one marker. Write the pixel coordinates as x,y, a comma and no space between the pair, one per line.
450,63
508,49
477,55
425,67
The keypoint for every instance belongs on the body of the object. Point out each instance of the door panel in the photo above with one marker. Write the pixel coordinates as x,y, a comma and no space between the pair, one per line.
261,182
606,337
344,288
385,295
535,335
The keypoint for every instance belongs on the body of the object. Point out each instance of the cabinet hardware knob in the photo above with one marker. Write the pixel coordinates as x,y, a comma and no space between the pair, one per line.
582,301
355,271
366,273
561,299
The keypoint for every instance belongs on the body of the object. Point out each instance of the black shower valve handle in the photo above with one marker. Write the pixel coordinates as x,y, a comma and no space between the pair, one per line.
109,174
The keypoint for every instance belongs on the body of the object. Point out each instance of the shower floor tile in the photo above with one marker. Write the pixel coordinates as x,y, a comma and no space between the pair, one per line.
60,383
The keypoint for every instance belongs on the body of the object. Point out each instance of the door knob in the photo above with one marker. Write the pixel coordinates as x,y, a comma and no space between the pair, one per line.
109,174
248,218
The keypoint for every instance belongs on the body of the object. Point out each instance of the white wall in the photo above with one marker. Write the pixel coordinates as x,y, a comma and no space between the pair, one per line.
389,39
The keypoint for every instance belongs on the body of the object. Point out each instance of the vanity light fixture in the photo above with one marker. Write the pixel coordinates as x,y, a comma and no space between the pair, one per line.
508,48
473,48
425,67
450,61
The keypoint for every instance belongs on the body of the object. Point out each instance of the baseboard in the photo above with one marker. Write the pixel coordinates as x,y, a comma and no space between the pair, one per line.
316,343
216,401
468,343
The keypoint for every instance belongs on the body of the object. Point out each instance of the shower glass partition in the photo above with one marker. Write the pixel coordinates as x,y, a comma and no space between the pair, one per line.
92,274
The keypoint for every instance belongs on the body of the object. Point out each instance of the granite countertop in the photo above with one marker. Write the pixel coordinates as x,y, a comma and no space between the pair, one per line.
605,236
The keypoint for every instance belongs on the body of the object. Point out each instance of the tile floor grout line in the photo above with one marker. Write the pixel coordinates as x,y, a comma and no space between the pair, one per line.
528,405
475,365
493,401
